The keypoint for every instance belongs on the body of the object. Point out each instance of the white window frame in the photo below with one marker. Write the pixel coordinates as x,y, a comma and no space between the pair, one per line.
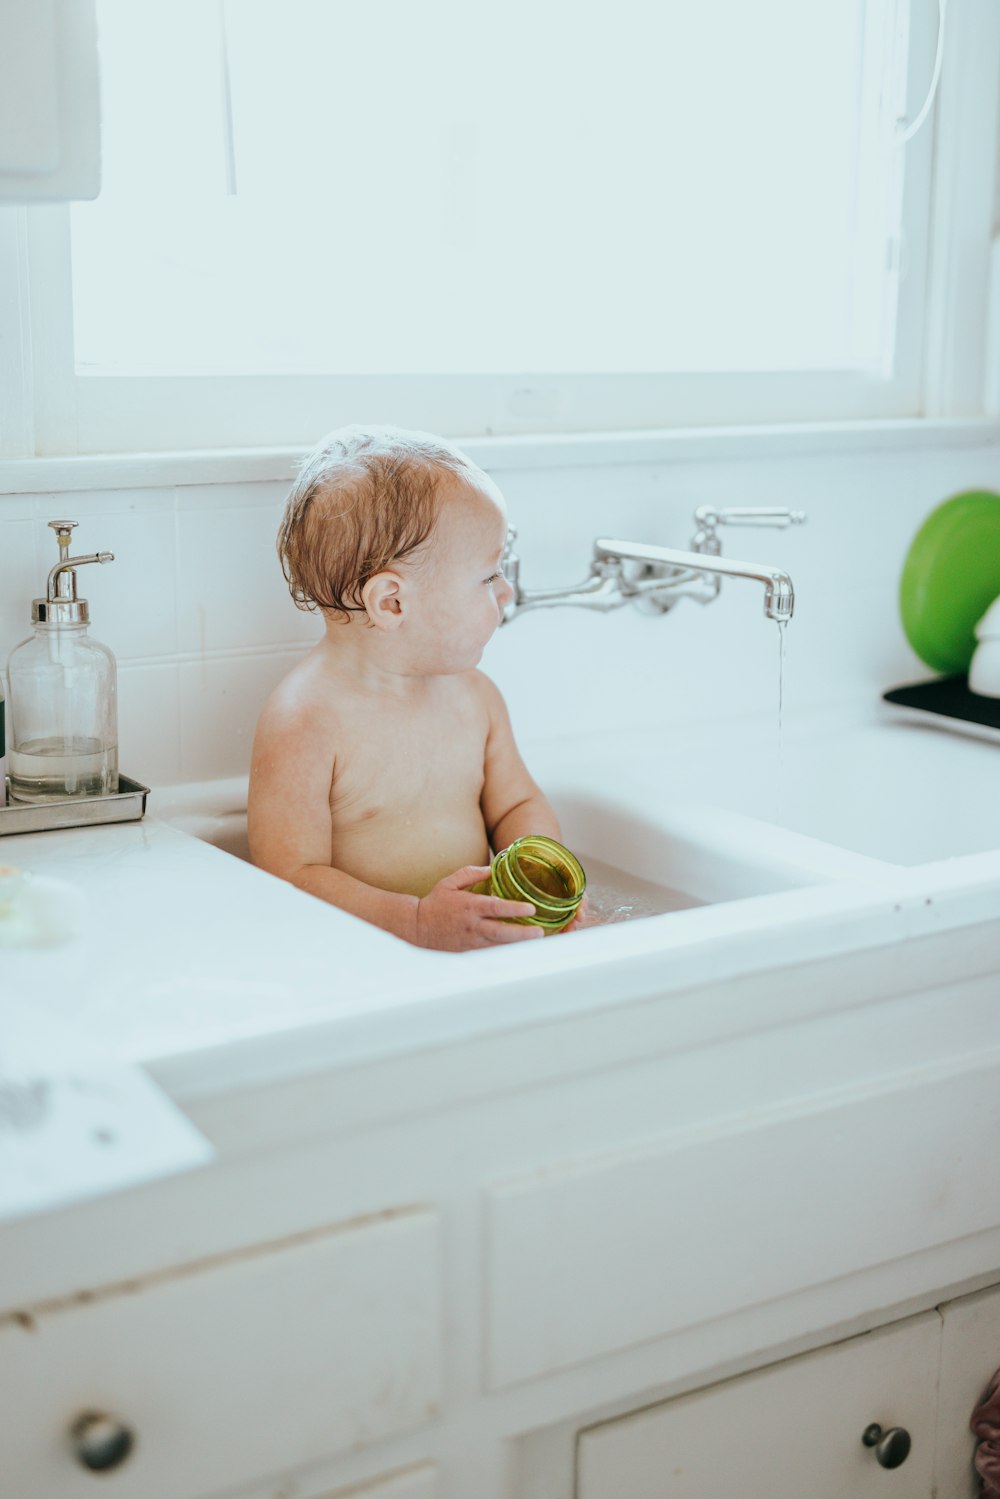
942,330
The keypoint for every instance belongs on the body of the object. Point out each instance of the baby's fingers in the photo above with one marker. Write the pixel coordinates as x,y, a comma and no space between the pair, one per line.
502,910
496,932
469,874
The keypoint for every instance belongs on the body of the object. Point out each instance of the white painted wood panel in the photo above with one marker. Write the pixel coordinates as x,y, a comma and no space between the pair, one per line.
416,1483
792,1431
227,1374
970,1355
609,1253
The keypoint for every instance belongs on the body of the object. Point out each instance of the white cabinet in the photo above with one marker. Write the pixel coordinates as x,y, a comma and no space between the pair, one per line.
274,1359
790,1431
680,1233
793,1430
416,1483
970,1355
49,104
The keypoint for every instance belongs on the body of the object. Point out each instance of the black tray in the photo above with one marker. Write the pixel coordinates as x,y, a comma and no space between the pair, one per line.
948,702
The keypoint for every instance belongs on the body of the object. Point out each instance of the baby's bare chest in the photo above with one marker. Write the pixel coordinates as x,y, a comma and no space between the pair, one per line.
408,765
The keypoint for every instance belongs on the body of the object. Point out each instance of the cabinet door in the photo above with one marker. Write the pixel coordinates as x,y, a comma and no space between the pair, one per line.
791,1431
970,1355
272,1360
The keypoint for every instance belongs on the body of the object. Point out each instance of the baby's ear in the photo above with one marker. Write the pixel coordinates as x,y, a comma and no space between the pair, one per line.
381,598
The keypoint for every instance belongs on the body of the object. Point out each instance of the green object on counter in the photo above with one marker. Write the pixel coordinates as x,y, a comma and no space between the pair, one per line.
950,577
542,871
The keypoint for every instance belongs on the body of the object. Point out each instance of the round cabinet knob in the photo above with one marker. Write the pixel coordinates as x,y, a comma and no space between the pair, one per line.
100,1442
892,1447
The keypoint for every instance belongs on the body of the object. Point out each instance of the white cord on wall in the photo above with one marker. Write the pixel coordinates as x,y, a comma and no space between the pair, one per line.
907,134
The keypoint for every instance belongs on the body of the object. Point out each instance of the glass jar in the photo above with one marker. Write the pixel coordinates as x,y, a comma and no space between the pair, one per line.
542,871
63,729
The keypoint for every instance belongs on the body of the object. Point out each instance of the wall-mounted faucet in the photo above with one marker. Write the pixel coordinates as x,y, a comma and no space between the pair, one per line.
655,577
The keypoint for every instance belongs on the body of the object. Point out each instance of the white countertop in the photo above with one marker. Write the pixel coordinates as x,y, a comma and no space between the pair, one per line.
217,974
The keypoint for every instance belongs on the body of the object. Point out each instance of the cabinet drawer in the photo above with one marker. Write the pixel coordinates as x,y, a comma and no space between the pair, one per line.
229,1373
714,1220
792,1431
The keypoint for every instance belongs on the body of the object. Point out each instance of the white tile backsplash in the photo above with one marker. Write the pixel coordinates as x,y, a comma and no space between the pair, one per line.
87,506
219,702
149,723
230,589
199,615
133,600
18,585
269,494
133,605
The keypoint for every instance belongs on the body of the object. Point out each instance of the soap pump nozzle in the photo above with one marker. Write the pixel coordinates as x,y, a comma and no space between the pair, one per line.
61,605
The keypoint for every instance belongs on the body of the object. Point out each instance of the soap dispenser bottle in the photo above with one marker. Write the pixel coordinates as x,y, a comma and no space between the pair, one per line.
63,715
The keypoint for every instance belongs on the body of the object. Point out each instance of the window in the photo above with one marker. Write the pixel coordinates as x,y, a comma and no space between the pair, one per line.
482,218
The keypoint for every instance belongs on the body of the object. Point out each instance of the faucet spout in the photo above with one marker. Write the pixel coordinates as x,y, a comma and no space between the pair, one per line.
683,568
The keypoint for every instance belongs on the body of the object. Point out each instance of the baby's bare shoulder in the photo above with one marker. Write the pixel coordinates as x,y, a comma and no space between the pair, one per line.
302,705
483,688
488,694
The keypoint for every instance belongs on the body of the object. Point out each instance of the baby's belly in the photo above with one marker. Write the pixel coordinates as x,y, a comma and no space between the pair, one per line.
409,854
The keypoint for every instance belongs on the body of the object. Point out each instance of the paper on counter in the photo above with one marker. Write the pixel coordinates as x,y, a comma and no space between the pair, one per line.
72,1126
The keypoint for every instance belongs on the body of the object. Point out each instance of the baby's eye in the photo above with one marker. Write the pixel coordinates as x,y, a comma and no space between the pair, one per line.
493,577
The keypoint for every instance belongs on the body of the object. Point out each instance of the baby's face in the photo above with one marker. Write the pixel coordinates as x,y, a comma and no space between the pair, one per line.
461,592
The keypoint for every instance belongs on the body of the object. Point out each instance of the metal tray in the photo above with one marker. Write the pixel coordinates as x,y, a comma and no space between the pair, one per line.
128,804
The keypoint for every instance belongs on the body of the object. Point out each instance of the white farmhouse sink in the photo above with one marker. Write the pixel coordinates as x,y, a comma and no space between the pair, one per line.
644,856
889,790
872,784
896,791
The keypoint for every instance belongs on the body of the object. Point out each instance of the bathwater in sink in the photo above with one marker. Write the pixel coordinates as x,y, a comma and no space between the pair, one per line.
613,895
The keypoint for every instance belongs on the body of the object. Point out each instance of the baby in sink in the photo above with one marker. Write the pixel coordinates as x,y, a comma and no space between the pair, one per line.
384,766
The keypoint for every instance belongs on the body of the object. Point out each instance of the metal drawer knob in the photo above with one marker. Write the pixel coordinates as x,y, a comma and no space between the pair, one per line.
100,1442
892,1447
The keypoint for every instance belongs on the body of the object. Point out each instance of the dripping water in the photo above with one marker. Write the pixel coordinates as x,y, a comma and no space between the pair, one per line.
780,758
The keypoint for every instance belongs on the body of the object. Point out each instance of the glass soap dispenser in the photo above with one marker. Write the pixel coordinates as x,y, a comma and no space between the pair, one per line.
63,713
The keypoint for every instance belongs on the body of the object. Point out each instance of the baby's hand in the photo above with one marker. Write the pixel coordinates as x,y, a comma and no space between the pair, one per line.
452,917
581,919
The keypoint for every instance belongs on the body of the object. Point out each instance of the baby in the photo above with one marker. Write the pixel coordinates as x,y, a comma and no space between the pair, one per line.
384,767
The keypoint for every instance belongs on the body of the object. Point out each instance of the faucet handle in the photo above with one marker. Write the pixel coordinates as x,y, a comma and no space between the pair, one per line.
510,566
509,561
707,519
748,515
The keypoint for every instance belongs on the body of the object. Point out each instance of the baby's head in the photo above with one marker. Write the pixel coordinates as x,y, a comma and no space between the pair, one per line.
391,528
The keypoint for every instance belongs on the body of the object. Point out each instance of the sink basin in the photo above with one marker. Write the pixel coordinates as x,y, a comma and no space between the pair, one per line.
643,858
894,791
669,858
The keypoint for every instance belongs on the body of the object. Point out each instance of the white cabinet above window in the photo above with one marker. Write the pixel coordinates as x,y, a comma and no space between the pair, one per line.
49,106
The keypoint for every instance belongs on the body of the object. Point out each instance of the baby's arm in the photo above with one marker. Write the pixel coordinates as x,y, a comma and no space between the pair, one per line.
513,805
290,836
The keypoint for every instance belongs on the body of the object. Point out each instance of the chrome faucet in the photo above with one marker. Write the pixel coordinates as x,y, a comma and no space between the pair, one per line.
655,577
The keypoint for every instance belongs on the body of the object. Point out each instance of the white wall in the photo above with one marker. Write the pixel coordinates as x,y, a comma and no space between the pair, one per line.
197,612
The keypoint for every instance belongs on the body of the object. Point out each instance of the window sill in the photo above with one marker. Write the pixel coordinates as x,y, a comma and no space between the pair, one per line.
100,471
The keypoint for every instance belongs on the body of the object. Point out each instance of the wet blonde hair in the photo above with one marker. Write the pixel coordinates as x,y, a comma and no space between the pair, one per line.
365,497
